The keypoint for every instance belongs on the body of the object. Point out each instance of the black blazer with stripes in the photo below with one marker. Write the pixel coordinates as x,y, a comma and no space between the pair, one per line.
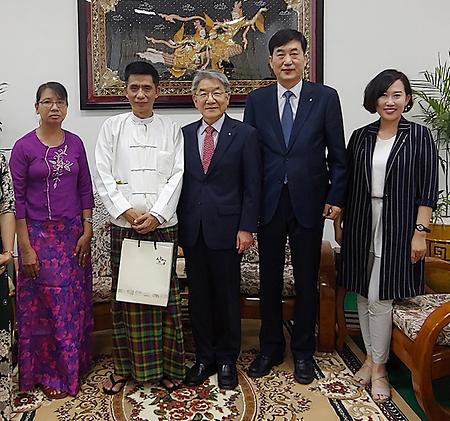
411,180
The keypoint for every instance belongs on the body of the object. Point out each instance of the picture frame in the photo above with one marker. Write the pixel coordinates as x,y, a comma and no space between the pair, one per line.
182,37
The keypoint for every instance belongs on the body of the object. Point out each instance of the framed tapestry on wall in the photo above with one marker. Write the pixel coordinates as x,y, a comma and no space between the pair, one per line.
180,37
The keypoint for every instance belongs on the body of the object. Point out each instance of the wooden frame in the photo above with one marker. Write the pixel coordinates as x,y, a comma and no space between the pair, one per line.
228,35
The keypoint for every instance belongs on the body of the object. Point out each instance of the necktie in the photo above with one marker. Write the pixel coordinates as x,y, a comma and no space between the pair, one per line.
208,148
287,118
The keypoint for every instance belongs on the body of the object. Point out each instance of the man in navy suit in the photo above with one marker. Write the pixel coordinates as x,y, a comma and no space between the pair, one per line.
218,212
301,136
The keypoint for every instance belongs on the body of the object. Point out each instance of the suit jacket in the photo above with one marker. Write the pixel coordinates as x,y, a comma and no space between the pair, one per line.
411,181
314,178
225,199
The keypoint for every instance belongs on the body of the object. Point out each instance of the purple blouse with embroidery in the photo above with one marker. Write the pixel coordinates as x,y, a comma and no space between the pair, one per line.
50,183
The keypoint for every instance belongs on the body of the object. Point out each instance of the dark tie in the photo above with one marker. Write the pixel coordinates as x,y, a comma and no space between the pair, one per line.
208,148
287,118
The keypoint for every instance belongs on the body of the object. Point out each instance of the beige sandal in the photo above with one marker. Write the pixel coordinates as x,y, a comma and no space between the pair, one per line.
363,375
381,388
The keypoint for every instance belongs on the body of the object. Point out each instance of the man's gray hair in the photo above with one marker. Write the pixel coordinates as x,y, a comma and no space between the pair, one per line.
210,74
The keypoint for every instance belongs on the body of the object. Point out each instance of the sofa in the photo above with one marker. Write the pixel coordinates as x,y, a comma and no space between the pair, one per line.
249,282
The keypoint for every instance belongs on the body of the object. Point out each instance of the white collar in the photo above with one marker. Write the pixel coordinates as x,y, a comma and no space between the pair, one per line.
217,125
295,90
138,120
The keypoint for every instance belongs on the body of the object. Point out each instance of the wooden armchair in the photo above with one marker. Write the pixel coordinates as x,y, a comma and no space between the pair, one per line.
420,339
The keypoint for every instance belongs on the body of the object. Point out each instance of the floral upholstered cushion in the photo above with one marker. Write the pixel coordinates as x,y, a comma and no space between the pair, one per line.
250,280
101,253
250,272
252,255
102,289
410,314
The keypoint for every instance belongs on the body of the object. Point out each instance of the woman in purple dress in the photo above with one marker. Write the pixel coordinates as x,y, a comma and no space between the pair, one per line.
7,231
54,202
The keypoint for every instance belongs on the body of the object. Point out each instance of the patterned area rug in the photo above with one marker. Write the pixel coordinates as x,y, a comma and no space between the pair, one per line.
333,395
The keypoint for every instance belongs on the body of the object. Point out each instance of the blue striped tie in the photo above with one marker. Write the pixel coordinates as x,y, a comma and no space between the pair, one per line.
287,118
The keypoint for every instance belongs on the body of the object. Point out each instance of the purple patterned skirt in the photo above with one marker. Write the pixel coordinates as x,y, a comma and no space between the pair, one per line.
54,311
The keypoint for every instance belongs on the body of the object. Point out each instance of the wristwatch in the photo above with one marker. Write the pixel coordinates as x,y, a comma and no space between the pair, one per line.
422,228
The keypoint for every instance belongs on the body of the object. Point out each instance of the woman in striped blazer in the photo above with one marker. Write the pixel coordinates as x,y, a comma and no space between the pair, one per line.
392,188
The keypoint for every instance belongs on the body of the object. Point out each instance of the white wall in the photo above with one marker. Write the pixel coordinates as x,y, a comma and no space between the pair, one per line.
363,37
39,42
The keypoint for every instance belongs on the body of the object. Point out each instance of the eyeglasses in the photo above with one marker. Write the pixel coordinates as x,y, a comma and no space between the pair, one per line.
217,95
47,103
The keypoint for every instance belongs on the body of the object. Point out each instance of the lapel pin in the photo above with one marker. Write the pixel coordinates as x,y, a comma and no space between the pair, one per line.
229,133
310,99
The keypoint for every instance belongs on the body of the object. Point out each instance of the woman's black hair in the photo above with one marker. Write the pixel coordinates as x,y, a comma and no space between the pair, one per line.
56,87
380,84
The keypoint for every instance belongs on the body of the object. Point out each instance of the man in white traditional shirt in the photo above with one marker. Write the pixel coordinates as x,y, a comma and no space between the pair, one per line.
139,162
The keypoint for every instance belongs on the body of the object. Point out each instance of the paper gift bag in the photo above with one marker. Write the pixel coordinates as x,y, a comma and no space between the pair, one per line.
144,272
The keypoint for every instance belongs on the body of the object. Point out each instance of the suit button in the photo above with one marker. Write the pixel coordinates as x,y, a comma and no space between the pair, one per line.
199,203
205,183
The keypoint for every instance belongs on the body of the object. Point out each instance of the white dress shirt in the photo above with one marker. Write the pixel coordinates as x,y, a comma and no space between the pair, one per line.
296,90
201,133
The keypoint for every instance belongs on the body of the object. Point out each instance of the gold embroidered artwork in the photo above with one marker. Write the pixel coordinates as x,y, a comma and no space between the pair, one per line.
179,38
211,44
297,5
111,79
108,5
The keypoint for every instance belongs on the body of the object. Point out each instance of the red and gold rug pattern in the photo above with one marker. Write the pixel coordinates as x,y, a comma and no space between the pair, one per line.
276,397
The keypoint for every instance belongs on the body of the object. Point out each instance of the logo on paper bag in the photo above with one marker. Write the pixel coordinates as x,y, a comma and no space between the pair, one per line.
161,261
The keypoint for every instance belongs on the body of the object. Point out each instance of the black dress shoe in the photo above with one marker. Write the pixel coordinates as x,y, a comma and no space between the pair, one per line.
227,375
262,365
304,371
198,373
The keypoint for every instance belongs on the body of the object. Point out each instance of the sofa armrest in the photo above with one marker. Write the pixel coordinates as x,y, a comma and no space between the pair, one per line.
327,270
437,275
426,364
327,297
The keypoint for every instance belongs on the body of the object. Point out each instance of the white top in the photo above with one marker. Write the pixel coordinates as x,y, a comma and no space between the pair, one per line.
379,161
296,90
139,165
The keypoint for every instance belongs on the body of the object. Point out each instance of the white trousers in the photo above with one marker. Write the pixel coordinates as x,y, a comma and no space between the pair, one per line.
375,317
